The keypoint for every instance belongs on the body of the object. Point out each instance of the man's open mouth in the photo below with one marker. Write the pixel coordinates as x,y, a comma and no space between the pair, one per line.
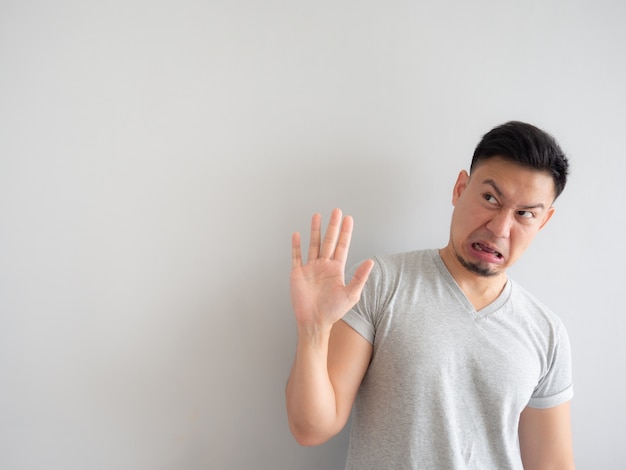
486,249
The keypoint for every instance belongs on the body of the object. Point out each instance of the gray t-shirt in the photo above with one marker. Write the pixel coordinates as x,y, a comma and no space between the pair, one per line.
446,383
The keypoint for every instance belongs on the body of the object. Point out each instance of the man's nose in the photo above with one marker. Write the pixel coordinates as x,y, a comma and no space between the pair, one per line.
500,224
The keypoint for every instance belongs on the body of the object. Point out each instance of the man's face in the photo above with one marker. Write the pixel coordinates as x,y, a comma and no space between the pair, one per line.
498,210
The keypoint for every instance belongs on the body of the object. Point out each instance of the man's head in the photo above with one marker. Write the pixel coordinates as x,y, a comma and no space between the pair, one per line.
516,174
526,145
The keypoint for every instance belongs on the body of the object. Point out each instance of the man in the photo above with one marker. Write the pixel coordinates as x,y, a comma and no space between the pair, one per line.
448,363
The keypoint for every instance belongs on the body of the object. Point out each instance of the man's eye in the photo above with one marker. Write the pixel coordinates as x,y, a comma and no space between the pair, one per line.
490,199
526,214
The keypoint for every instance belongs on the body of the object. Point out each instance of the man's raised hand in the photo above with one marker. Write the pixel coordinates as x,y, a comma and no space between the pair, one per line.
319,294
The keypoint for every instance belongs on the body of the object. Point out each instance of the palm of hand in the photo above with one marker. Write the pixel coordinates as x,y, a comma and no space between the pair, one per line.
319,293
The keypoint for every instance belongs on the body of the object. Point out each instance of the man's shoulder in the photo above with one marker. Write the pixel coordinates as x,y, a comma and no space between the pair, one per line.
531,305
402,267
414,257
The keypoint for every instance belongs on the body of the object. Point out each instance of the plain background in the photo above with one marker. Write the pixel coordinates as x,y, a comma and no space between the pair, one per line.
155,157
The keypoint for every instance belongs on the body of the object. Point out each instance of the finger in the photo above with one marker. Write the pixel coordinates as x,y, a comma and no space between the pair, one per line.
332,232
296,252
316,235
343,244
356,284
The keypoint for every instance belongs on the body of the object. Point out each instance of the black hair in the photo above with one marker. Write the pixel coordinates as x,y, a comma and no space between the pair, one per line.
526,145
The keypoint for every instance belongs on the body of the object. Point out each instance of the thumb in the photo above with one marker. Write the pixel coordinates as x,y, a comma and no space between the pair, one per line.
355,286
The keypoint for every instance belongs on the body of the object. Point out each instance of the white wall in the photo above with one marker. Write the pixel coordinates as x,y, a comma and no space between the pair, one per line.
155,157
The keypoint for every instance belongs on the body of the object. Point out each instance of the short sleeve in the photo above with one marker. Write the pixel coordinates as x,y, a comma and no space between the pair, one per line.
555,387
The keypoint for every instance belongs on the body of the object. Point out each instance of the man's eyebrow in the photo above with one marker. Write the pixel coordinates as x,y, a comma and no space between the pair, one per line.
500,194
493,184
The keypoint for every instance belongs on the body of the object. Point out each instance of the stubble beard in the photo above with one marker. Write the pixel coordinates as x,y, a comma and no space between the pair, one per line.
476,268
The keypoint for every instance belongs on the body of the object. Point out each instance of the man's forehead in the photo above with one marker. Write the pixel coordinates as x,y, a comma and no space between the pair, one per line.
508,177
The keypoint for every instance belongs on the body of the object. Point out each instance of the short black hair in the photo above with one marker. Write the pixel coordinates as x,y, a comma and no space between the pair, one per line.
527,145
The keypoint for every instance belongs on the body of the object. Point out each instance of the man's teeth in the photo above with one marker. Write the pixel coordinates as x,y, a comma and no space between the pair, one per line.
479,247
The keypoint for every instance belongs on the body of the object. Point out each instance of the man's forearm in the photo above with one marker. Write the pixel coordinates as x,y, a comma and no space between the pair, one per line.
311,401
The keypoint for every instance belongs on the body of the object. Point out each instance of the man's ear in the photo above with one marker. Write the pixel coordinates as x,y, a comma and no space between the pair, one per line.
547,217
459,186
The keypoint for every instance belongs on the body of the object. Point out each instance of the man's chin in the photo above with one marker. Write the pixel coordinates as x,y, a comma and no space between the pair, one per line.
478,269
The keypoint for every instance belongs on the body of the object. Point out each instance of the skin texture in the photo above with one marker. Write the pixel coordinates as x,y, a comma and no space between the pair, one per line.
498,211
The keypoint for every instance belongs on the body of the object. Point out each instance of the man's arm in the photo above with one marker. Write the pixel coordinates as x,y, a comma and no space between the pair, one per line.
331,358
323,383
545,438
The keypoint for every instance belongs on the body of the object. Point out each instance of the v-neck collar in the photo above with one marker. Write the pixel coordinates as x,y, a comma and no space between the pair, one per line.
456,289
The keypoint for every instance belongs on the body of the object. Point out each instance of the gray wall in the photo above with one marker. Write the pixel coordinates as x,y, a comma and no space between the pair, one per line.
155,157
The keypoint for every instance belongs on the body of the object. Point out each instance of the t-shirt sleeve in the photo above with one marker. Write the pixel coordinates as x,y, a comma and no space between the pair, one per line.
555,387
362,317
